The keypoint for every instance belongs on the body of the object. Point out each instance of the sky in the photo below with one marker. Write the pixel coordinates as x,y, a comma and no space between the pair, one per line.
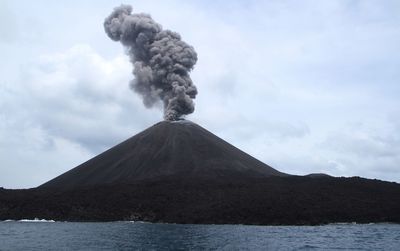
304,86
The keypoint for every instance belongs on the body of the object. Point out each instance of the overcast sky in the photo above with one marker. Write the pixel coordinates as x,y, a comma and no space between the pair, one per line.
304,86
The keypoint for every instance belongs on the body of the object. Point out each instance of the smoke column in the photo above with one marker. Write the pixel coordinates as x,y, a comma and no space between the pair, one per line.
161,61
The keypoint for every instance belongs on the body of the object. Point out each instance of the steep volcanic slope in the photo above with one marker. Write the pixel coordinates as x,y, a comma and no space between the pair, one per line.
176,149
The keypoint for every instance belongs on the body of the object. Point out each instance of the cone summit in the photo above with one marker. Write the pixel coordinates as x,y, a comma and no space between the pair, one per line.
178,149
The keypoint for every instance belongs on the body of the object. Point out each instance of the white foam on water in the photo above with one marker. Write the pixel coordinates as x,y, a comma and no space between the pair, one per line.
35,220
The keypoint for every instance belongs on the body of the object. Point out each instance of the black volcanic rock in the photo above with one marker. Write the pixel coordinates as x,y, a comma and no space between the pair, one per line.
180,149
181,173
274,200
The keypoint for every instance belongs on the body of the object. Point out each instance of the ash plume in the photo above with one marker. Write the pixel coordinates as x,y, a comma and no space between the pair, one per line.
161,61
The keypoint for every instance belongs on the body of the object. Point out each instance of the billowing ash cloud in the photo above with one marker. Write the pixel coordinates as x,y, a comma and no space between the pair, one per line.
161,60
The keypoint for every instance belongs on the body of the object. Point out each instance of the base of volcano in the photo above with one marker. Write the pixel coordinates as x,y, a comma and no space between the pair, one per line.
292,200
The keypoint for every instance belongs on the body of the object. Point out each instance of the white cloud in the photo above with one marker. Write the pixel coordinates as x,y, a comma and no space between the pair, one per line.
8,24
275,78
79,95
368,150
70,106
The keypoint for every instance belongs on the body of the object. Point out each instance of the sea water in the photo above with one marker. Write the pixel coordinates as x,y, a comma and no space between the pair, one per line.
42,235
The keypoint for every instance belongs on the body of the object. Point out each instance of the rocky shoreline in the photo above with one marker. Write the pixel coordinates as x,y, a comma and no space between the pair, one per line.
294,200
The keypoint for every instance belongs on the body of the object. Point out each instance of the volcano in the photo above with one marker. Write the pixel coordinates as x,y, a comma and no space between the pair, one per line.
178,172
179,149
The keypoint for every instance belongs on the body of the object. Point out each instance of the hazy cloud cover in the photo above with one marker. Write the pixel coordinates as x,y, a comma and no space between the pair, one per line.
305,86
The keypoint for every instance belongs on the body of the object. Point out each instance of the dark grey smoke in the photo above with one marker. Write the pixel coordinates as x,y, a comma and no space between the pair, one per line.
161,60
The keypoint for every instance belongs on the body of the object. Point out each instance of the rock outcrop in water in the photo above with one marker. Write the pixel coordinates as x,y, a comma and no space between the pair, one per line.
179,172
